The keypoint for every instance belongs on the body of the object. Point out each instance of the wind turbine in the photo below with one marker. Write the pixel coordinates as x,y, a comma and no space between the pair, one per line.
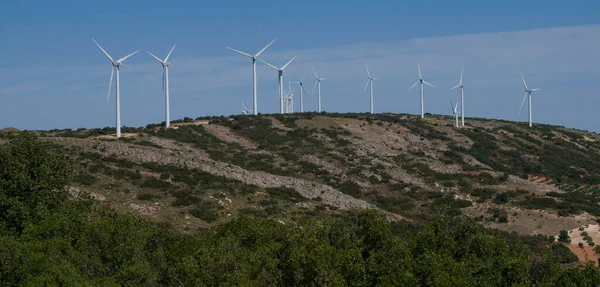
370,83
245,110
420,80
528,93
317,83
455,113
165,64
115,66
462,97
255,107
280,73
301,90
290,99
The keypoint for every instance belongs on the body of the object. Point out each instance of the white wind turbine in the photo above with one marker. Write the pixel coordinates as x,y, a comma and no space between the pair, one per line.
317,83
280,77
420,80
301,94
255,107
462,97
245,110
165,64
528,93
455,113
370,83
289,100
115,66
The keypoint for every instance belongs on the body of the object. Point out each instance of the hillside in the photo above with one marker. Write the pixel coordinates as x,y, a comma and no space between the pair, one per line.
536,180
207,201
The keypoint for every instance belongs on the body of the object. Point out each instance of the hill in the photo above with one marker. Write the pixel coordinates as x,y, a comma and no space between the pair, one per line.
531,180
209,177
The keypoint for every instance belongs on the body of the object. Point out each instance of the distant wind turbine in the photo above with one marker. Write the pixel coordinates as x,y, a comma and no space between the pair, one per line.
245,110
115,66
370,83
420,80
280,77
301,94
455,113
462,97
255,107
528,93
165,64
317,83
289,99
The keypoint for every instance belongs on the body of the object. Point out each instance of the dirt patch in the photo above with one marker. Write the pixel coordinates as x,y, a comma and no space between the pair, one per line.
114,136
584,254
227,135
193,123
528,222
278,125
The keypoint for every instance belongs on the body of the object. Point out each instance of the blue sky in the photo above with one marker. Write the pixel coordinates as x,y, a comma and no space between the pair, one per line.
53,76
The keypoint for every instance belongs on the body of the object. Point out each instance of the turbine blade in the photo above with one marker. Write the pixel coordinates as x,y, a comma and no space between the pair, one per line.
315,72
240,52
155,57
169,55
285,66
461,74
455,87
533,90
275,68
303,77
367,85
243,106
103,51
452,107
429,84
302,87
411,87
127,57
522,78
321,79
263,49
419,67
314,87
112,73
522,102
456,107
368,73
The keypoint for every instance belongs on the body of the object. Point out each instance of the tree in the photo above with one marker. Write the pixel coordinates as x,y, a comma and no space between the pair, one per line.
33,180
564,237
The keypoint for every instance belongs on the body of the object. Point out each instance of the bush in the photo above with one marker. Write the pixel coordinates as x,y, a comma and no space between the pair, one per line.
351,188
147,196
564,237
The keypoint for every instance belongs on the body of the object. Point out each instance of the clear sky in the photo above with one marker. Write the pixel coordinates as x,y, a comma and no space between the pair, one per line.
53,76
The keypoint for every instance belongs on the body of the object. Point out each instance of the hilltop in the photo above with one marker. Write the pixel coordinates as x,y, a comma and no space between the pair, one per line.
508,176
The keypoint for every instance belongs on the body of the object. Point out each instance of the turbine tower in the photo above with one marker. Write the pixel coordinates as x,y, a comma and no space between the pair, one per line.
420,80
462,97
317,83
165,64
528,93
255,107
370,83
115,66
280,77
455,113
301,94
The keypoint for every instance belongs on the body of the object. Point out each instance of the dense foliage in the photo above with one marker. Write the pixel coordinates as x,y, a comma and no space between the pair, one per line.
46,239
